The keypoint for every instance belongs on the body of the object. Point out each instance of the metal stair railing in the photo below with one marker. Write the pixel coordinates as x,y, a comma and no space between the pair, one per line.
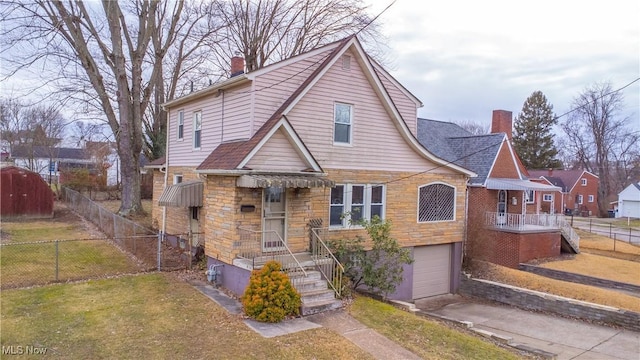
328,265
250,248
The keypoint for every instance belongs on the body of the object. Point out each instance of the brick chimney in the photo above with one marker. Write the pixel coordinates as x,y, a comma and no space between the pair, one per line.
550,172
237,65
501,122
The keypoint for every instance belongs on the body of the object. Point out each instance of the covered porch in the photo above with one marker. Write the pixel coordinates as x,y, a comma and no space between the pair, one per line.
518,211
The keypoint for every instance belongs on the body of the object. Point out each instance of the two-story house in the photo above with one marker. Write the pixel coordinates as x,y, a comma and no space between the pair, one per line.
578,194
505,222
275,161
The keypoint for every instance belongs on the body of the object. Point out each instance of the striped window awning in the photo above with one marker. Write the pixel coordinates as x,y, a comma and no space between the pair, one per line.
184,194
286,181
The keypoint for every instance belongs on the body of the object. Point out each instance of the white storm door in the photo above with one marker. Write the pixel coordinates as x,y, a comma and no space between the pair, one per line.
274,219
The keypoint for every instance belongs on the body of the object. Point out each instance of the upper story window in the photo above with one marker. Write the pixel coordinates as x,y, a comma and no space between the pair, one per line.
436,202
584,182
180,125
197,129
580,199
342,123
590,198
530,196
177,179
547,197
355,202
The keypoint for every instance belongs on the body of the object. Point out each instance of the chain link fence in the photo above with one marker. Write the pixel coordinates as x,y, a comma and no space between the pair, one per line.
146,245
43,262
126,248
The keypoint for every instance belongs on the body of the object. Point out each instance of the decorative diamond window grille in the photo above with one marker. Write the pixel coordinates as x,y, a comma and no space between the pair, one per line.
436,203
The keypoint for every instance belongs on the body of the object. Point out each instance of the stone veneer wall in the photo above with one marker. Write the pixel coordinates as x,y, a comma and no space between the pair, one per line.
221,216
401,205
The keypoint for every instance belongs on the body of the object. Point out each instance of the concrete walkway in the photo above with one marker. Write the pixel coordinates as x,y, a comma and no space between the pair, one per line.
338,321
550,336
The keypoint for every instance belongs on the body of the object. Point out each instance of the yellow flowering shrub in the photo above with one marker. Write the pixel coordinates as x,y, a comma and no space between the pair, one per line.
270,297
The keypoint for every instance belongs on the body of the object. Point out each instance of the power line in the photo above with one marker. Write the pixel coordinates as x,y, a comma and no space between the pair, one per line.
598,98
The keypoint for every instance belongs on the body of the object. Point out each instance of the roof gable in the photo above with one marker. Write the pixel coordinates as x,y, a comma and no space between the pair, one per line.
385,99
505,165
238,154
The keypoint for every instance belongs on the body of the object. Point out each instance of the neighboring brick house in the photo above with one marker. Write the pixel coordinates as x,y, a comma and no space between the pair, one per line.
506,224
579,195
268,162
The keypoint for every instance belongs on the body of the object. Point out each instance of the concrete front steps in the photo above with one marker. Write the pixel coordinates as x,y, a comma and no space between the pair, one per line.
314,292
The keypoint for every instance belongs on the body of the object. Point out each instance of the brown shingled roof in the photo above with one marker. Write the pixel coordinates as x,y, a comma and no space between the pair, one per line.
228,156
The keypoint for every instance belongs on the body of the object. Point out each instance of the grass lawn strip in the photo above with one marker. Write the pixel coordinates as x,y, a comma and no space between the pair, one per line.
599,266
426,338
561,288
148,316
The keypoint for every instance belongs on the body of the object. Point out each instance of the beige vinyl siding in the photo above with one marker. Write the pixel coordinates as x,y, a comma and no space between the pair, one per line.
376,144
272,89
277,154
234,115
405,105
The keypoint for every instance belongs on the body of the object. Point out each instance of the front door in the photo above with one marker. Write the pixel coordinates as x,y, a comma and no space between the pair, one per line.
502,208
274,218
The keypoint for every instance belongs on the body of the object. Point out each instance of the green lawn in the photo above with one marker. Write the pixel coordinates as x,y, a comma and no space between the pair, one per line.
162,317
149,316
426,338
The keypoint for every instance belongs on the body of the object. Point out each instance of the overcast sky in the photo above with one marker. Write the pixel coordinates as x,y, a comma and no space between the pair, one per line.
463,59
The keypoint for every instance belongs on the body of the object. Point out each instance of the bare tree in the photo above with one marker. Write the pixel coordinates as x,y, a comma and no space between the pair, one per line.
266,31
31,131
474,128
594,130
101,56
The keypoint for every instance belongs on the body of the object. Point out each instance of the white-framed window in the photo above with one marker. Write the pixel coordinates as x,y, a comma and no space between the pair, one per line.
530,196
580,199
343,121
180,129
584,182
590,198
355,202
197,129
436,202
547,197
177,178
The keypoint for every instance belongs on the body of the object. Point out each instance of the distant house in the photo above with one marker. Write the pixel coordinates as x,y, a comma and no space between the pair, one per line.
579,194
23,194
505,223
49,162
629,201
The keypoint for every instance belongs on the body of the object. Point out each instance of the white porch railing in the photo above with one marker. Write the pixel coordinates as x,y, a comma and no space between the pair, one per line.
250,247
534,221
332,270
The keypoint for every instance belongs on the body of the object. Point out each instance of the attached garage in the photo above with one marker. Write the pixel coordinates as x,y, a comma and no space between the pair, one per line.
432,270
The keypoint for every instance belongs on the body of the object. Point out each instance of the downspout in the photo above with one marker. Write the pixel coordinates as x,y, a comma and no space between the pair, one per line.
166,173
465,223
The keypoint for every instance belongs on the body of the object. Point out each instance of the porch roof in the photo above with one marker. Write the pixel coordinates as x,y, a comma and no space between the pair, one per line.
519,185
184,194
287,181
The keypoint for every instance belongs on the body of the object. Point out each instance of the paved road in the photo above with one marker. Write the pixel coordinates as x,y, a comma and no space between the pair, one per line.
568,339
604,229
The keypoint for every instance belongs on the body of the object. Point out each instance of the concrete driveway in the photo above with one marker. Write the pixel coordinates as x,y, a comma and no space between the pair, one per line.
566,338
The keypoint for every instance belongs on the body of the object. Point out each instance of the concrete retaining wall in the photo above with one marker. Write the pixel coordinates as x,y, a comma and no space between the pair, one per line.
539,301
580,279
